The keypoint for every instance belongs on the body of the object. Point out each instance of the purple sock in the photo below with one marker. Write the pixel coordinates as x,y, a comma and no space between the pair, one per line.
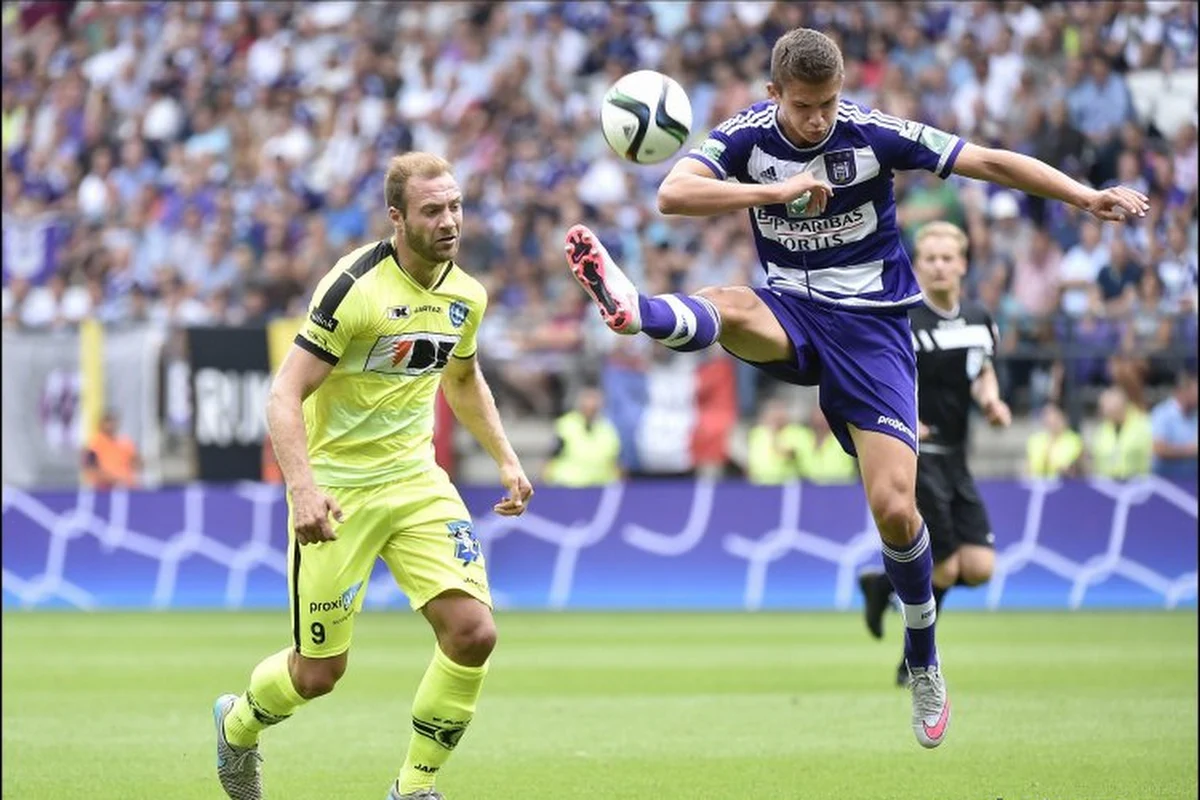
680,321
911,572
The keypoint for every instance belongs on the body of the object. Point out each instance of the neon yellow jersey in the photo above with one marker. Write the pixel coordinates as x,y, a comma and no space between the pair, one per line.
389,339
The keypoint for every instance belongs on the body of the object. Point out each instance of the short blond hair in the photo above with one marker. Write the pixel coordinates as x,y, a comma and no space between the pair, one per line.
410,165
941,228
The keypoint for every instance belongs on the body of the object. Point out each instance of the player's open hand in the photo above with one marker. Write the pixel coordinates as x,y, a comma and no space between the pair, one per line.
998,413
519,489
1117,203
311,509
805,183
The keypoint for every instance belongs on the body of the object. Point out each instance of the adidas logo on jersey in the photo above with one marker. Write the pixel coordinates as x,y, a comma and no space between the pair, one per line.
768,175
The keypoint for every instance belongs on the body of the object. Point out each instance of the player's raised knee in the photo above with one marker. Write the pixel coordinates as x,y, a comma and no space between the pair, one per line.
470,642
735,304
896,517
946,572
977,569
317,677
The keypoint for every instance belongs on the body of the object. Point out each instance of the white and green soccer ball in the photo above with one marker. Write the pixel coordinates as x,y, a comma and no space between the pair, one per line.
646,117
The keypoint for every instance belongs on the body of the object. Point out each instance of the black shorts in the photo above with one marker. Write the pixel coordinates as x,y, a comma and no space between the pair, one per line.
950,503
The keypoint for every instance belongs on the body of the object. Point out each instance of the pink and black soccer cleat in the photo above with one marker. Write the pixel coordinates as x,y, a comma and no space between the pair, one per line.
603,280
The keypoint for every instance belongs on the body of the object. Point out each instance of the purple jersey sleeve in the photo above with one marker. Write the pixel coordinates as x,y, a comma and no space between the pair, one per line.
904,145
727,148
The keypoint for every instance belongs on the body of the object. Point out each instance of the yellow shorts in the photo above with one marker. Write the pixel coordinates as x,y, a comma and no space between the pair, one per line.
419,527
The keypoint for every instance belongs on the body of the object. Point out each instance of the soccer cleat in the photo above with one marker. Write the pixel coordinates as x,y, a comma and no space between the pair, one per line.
420,794
238,768
877,594
931,706
603,280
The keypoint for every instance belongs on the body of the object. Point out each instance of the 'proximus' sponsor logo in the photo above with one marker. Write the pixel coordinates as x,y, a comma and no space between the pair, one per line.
346,601
897,424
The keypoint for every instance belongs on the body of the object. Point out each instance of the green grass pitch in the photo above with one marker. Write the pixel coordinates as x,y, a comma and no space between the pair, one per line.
1086,706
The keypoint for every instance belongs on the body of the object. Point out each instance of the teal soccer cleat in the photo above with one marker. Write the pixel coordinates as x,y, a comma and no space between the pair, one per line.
238,768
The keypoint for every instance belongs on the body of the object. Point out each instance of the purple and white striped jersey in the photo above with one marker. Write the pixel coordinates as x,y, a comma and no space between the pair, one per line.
852,254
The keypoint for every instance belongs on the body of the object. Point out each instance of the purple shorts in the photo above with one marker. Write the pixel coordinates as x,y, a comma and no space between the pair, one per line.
863,363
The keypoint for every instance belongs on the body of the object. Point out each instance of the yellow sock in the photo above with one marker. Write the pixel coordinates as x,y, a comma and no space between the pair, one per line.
270,699
442,709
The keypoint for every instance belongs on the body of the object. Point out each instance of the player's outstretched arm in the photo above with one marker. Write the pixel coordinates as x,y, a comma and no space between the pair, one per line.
299,376
1032,176
471,400
691,189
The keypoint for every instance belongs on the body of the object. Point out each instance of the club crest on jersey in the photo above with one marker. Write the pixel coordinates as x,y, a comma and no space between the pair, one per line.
458,313
466,546
841,167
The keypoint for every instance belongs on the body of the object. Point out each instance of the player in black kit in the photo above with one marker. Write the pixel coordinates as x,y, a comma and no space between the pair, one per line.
955,342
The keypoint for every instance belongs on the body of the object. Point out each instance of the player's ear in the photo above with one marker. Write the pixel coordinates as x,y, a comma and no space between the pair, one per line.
395,215
773,92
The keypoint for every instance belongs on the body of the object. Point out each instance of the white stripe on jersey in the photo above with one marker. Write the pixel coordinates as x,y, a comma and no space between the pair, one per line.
946,155
960,338
874,117
852,279
795,287
758,119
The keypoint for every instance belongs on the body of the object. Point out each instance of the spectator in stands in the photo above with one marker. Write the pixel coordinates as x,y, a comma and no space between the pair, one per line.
1055,451
586,448
1034,296
1119,279
1143,355
1037,274
1080,268
1099,105
822,459
1121,445
110,460
1174,426
225,153
773,451
1085,344
1178,267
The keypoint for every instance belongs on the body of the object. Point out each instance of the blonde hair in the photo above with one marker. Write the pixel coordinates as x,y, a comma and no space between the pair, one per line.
409,165
941,228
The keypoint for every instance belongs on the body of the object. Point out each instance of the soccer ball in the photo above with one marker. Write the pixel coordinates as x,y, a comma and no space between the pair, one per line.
646,117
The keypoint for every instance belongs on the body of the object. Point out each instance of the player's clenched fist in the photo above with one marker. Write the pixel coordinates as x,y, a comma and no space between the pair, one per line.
513,479
311,509
805,185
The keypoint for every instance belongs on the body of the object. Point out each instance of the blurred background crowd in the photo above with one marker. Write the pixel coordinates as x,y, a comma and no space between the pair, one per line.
205,163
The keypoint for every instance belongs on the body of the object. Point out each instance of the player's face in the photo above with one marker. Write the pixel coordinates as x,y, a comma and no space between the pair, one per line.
433,222
940,264
806,110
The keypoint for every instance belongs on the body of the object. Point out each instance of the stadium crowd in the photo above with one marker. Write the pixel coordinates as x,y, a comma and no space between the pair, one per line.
206,162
